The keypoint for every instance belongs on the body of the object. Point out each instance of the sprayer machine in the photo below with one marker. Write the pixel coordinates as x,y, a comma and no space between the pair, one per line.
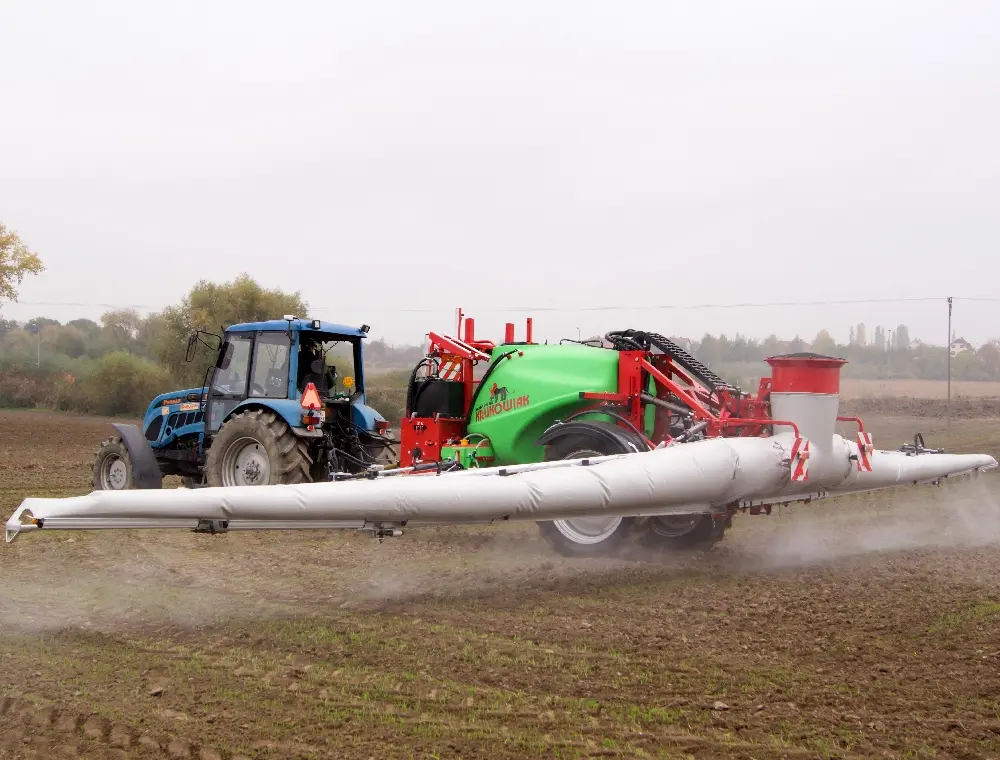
630,438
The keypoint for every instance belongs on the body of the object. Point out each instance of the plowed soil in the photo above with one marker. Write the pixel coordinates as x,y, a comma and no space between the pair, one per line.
856,628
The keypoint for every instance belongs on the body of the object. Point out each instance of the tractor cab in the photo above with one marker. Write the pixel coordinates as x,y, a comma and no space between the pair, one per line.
274,362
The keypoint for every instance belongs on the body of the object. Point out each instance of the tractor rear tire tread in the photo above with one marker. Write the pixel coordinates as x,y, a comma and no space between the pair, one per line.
289,455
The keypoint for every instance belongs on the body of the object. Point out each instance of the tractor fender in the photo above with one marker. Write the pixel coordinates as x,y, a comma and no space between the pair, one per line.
145,467
365,416
624,440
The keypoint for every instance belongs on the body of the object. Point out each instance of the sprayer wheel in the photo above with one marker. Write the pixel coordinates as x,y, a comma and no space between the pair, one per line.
683,532
257,448
599,536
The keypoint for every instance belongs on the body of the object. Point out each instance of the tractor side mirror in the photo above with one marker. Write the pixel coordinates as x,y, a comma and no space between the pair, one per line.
192,347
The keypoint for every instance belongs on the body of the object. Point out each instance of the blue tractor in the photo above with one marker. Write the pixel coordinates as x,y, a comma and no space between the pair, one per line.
284,403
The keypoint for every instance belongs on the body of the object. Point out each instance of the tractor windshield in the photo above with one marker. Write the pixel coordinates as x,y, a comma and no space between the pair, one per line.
234,360
329,362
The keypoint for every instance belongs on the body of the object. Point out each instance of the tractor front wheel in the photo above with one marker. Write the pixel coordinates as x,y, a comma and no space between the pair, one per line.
598,536
113,469
257,448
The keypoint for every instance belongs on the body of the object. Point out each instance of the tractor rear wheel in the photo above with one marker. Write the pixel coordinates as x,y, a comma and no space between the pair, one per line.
388,457
584,536
257,448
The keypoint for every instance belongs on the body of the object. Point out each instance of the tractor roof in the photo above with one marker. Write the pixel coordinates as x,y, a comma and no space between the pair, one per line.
303,325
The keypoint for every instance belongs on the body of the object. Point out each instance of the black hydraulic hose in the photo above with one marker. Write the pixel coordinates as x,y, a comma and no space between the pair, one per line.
489,371
623,341
638,340
339,453
411,398
691,431
684,411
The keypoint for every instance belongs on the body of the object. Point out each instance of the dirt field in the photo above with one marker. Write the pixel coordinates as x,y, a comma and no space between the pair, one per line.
863,628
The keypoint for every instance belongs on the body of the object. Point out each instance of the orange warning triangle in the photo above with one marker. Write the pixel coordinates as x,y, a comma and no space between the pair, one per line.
310,398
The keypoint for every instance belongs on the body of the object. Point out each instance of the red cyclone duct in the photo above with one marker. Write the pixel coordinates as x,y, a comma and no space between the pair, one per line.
806,373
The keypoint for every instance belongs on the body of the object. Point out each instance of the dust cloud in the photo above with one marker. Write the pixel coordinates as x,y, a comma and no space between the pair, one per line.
128,587
110,583
479,566
961,515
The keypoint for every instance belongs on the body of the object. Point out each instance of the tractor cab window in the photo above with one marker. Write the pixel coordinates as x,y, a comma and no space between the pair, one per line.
270,366
328,363
233,367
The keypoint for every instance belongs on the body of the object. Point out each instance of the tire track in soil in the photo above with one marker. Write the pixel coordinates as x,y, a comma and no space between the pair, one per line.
31,731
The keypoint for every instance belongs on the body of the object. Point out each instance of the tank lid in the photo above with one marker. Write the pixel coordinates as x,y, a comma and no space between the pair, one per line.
805,372
803,357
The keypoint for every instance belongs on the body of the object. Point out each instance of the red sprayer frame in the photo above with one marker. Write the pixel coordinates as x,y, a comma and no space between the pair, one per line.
721,411
421,438
726,413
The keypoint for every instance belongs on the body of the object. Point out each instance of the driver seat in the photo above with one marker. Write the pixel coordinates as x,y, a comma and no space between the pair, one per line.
318,377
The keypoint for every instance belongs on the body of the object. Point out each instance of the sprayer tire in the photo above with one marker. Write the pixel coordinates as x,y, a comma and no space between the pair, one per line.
268,441
707,531
570,538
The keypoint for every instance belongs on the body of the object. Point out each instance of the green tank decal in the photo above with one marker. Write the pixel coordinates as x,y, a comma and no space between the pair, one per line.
531,388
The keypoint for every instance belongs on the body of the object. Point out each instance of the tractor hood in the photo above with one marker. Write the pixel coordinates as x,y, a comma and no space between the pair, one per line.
177,398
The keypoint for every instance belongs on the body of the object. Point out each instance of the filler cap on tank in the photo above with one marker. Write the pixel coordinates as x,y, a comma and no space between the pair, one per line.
806,372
